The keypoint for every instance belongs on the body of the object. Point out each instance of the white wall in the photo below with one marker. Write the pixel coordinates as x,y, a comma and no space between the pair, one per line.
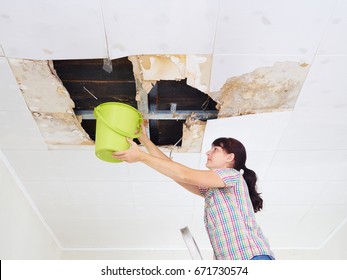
23,234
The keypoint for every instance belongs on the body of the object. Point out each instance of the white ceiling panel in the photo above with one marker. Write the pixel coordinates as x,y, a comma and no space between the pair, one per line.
100,193
97,233
81,192
139,171
52,30
305,165
279,224
313,130
101,211
191,160
165,215
19,131
57,196
225,66
57,165
49,192
291,193
319,222
1,51
293,207
271,27
259,161
160,27
335,41
155,219
325,86
257,132
340,167
85,211
334,193
203,158
161,193
11,98
197,227
151,236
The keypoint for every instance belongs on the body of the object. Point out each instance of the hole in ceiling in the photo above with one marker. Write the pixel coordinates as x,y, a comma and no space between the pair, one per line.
152,84
90,85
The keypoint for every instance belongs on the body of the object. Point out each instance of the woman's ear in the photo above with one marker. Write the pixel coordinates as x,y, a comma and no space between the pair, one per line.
230,157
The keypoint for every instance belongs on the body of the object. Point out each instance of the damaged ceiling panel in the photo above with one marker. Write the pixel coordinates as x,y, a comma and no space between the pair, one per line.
169,90
156,85
266,89
49,103
195,68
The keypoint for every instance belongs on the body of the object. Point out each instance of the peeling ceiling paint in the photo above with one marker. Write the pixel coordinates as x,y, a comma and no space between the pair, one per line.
193,134
266,89
152,68
49,102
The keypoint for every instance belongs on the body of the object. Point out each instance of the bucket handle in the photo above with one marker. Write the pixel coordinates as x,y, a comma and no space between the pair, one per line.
119,131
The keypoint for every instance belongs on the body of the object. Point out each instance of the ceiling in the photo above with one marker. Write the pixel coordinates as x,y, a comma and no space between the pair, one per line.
299,153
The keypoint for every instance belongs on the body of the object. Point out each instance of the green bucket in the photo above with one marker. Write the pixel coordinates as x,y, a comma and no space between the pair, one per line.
115,122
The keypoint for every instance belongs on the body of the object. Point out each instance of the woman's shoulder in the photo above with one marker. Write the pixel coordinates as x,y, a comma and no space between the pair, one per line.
230,176
226,171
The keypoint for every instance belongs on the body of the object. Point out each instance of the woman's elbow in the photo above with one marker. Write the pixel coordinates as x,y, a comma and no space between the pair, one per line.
182,177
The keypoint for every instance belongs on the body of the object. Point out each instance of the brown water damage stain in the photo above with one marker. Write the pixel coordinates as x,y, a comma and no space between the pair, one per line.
49,102
266,89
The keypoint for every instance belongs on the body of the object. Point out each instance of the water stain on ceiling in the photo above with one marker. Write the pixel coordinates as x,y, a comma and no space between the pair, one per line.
266,89
62,94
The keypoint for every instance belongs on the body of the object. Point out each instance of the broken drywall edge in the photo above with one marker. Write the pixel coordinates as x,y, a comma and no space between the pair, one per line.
198,71
162,67
151,68
142,87
41,89
49,102
61,128
193,134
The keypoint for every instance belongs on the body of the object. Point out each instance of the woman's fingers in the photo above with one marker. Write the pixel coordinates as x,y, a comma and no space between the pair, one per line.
130,155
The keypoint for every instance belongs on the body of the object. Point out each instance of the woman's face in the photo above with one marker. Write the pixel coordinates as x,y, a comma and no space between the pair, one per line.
218,158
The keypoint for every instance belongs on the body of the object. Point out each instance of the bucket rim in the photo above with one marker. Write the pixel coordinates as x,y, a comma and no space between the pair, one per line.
98,115
117,103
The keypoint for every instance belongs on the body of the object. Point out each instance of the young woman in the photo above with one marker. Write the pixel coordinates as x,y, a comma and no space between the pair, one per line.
229,189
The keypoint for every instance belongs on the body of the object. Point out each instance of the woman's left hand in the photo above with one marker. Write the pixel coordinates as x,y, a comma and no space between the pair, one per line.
133,154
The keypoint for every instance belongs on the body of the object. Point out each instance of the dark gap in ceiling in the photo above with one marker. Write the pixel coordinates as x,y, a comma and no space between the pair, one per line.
85,79
79,75
186,97
166,132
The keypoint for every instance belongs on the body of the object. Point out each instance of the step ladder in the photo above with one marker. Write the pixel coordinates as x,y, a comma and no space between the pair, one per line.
191,244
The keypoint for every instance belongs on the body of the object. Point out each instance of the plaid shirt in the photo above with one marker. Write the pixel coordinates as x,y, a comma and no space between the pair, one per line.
230,220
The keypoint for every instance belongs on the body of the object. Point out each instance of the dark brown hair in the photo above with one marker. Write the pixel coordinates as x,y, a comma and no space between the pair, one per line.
231,145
